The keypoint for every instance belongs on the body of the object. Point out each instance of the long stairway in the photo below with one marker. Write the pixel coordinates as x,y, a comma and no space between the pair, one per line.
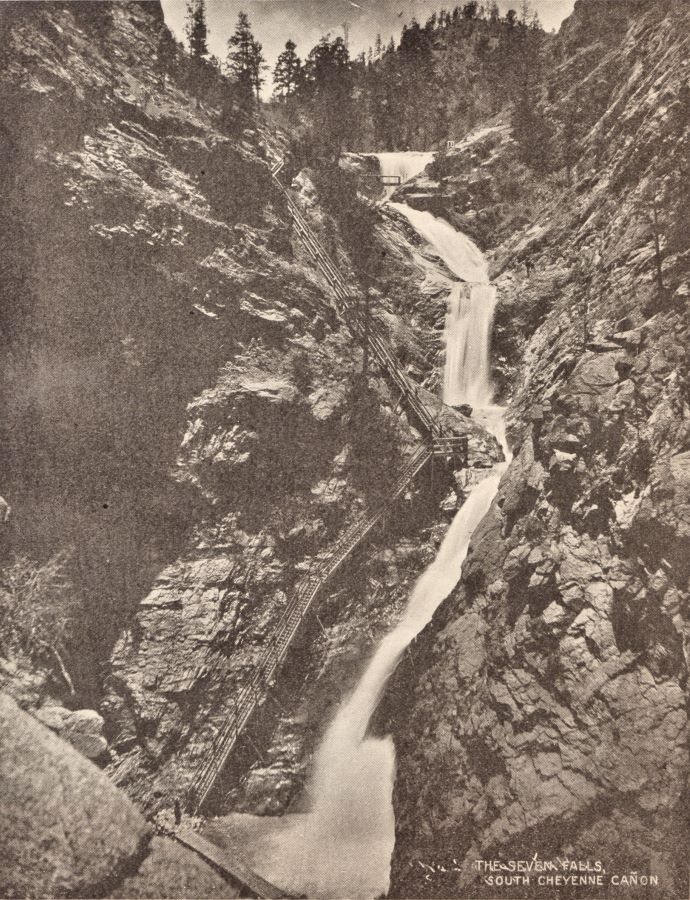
297,608
363,327
307,589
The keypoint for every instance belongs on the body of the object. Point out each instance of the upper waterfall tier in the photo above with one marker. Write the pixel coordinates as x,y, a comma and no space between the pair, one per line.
458,252
403,165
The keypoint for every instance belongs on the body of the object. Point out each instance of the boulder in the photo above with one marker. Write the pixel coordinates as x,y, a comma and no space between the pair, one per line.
83,728
65,828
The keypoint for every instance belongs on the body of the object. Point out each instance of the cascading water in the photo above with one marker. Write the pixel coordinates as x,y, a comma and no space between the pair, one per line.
471,304
343,846
402,165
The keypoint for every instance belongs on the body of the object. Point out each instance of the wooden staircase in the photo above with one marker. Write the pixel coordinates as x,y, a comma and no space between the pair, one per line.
294,614
307,589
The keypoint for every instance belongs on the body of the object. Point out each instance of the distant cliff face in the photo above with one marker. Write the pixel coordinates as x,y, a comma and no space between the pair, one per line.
549,709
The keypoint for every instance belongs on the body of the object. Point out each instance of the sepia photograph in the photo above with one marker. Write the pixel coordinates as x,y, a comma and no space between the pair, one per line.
345,449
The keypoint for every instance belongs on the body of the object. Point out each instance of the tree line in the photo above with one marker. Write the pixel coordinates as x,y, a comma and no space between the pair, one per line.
437,82
233,84
441,78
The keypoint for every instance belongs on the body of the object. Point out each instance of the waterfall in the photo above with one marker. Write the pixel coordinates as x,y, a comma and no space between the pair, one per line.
467,373
342,847
471,304
404,165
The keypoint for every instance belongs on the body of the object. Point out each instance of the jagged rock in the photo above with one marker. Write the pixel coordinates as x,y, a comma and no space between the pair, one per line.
272,312
562,460
661,520
567,730
324,401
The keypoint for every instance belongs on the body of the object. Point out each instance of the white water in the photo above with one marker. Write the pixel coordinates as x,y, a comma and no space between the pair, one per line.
342,847
471,304
404,165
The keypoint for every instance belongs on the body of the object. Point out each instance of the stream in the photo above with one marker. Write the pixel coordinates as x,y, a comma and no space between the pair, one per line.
342,847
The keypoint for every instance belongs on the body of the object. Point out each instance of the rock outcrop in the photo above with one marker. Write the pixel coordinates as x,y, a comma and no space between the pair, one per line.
549,711
67,831
83,728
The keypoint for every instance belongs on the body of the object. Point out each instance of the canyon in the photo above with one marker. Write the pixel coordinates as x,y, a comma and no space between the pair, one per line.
192,423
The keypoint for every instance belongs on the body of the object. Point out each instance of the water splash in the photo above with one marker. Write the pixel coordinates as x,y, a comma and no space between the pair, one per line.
343,846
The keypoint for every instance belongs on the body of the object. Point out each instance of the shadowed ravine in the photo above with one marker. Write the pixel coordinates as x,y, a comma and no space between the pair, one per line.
343,846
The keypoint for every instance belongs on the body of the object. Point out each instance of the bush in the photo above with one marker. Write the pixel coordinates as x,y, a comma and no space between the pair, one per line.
38,609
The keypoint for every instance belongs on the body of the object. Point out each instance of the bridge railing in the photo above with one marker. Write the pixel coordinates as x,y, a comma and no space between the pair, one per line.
452,445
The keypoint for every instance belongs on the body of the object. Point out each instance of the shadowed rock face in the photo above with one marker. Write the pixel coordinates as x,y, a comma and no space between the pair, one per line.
182,391
549,710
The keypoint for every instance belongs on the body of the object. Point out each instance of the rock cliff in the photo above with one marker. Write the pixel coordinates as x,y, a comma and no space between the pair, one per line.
187,416
66,831
549,710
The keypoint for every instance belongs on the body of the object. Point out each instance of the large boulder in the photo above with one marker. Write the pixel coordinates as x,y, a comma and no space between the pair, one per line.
65,828
83,728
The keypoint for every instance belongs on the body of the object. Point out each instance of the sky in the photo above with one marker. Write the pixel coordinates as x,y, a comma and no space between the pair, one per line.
306,21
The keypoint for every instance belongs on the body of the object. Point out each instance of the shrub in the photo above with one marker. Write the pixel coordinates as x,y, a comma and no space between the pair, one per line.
38,608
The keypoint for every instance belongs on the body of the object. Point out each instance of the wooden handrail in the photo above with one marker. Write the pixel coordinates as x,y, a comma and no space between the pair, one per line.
293,616
306,590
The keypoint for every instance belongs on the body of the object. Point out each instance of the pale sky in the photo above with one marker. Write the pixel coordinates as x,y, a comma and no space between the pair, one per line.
306,21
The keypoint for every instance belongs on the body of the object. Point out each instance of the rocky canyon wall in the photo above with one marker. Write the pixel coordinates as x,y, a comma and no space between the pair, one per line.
185,416
549,711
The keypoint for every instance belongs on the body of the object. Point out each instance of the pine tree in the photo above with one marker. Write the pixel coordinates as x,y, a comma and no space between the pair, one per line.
328,86
245,60
166,54
287,74
378,47
531,130
258,68
196,28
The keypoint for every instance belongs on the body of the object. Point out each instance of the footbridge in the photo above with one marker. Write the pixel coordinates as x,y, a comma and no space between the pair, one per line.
307,589
231,864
